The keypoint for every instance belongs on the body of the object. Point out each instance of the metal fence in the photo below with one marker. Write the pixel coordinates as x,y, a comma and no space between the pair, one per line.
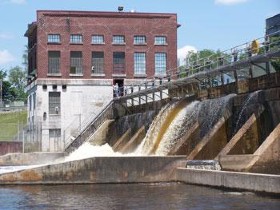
11,131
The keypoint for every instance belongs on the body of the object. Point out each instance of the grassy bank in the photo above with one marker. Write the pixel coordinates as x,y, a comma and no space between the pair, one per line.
10,123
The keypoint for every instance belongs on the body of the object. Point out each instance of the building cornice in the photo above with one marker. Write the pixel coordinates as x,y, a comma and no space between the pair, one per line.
60,13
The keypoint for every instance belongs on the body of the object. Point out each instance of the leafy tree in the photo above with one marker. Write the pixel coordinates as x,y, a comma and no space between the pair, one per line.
9,93
3,74
17,78
202,59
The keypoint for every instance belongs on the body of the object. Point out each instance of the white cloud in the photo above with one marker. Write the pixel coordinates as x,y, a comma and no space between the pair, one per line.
18,1
230,2
6,36
183,52
6,57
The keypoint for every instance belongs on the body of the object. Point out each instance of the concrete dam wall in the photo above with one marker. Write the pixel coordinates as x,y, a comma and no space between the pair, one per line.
240,132
225,129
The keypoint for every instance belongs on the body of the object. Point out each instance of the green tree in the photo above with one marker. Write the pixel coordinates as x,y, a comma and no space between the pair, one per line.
3,74
17,78
204,59
8,92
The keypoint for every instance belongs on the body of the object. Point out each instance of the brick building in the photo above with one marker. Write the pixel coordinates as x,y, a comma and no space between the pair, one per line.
75,57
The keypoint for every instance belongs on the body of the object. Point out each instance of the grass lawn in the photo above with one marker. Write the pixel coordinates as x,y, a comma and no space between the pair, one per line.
10,122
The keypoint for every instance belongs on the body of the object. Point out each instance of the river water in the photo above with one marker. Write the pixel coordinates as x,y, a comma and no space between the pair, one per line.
159,196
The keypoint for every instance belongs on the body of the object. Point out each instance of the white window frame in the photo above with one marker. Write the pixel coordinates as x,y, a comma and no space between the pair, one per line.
139,40
76,39
54,38
97,39
139,63
118,39
160,40
160,63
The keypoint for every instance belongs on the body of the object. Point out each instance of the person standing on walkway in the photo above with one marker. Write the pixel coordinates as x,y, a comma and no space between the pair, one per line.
116,90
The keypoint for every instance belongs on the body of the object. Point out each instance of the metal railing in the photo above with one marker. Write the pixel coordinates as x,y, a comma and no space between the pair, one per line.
229,57
89,128
238,54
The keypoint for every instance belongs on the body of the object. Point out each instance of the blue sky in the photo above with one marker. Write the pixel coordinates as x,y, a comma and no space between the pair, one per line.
205,24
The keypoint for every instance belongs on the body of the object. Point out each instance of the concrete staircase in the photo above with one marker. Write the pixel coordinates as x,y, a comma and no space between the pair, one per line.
91,128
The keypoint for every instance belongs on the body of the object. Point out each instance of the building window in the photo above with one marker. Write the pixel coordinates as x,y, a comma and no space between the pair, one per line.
160,63
118,39
160,40
97,39
140,40
53,62
53,38
54,102
118,62
139,63
76,39
76,62
55,139
97,62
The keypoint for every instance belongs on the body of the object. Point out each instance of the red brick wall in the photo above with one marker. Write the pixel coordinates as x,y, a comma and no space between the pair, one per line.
10,147
107,24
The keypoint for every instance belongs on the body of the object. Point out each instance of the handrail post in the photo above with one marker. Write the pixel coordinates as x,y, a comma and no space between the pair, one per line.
139,89
146,86
132,101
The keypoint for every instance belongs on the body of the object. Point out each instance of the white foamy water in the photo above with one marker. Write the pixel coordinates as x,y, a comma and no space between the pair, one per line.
87,150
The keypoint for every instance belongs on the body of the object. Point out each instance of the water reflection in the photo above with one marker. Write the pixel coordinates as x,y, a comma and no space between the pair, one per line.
129,196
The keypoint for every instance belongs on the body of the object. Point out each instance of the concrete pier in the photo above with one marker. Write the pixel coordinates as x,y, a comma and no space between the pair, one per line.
127,169
100,170
233,180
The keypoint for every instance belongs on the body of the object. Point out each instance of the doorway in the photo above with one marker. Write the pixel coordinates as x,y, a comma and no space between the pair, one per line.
118,89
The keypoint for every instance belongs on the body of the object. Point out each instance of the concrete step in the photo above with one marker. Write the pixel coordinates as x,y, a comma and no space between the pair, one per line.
236,162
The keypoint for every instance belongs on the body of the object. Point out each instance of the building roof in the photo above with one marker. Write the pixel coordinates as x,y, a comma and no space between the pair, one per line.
72,13
30,28
131,14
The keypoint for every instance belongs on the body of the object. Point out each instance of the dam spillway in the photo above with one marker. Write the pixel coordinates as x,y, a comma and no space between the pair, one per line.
185,129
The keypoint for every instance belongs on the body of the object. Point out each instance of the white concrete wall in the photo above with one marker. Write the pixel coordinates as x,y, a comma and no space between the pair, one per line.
80,102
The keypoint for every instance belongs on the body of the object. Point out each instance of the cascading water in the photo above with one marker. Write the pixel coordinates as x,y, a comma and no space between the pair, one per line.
149,142
87,151
169,125
251,103
182,122
211,111
176,119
